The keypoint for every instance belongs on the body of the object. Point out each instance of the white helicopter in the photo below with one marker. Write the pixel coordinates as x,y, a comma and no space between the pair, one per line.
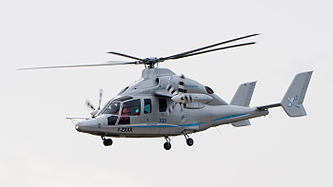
163,104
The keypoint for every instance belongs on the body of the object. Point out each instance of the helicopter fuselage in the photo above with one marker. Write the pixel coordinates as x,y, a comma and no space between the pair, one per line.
217,115
141,109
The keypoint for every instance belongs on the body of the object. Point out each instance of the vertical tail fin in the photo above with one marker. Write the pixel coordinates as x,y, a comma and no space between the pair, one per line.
243,94
243,97
292,101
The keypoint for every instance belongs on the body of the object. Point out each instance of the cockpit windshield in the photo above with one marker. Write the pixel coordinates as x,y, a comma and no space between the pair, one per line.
112,108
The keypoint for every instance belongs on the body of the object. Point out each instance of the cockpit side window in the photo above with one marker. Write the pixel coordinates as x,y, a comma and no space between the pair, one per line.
147,106
112,120
131,108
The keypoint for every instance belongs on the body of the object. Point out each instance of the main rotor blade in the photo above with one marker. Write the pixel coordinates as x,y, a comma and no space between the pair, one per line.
113,62
206,47
80,65
124,55
211,50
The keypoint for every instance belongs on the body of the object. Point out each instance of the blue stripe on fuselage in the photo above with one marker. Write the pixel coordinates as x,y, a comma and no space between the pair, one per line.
189,125
184,125
226,117
190,86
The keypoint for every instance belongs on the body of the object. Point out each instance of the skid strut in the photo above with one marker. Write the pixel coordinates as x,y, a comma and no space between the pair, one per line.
189,140
167,144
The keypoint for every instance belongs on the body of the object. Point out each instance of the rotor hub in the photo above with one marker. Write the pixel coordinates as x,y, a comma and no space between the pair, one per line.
151,61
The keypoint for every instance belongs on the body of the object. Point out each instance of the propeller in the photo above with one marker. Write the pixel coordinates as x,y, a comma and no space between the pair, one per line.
181,90
151,61
91,106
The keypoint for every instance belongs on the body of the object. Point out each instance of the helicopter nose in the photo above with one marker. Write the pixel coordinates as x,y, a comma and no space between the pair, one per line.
88,126
78,126
83,126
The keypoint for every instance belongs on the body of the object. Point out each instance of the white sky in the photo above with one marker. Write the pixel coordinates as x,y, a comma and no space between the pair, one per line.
39,147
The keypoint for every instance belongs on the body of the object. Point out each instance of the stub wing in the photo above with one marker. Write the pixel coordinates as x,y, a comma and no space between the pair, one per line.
241,123
162,93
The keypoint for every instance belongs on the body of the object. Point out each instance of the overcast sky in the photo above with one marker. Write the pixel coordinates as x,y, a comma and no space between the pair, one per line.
39,147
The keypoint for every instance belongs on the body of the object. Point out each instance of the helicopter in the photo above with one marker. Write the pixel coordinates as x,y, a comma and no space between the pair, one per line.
164,104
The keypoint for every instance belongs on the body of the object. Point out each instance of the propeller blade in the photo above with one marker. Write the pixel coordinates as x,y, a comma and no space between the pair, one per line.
171,89
90,105
181,88
100,98
124,55
182,112
179,93
78,66
171,107
211,50
182,118
176,56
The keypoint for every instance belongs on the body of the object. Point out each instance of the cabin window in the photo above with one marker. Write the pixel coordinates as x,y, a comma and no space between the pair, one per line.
147,106
112,120
162,105
131,108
